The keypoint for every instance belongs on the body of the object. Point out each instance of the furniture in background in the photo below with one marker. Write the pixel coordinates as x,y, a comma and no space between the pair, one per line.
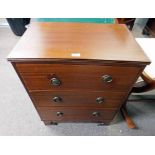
148,76
150,27
128,21
78,72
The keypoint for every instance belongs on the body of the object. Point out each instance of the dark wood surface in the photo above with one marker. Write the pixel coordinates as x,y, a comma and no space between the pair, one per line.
57,41
76,77
45,51
76,114
41,68
74,98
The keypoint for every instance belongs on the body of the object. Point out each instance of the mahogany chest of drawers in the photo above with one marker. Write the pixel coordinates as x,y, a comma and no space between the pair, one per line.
76,72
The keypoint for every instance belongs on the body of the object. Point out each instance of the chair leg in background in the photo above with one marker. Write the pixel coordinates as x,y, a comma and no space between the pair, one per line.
127,118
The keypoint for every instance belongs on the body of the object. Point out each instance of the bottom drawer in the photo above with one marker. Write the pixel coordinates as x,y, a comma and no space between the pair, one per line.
76,114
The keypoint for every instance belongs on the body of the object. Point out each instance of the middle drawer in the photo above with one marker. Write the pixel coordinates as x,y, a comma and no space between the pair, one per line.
71,98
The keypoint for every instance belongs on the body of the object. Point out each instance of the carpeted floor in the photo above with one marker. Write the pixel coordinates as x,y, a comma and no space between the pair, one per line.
18,116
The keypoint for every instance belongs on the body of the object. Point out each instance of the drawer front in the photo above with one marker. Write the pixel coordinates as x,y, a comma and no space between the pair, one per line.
76,114
69,98
70,77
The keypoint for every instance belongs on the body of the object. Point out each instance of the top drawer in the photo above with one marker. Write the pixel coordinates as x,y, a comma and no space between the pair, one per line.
68,76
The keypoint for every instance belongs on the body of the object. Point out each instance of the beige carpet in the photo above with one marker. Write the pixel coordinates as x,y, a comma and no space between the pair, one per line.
18,116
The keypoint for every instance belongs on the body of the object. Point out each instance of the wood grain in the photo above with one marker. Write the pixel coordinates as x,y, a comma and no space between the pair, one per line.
71,98
76,77
106,42
76,114
78,55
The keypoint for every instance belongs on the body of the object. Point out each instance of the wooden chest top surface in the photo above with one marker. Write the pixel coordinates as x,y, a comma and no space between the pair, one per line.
78,41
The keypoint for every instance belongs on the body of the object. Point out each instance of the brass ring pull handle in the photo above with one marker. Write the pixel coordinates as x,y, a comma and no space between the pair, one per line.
106,78
99,100
55,82
57,99
60,114
96,114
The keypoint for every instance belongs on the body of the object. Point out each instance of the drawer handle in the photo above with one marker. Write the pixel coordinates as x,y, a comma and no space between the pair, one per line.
106,78
96,114
55,82
57,99
99,100
60,114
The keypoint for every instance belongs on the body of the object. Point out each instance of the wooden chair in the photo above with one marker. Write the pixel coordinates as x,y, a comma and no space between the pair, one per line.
148,76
